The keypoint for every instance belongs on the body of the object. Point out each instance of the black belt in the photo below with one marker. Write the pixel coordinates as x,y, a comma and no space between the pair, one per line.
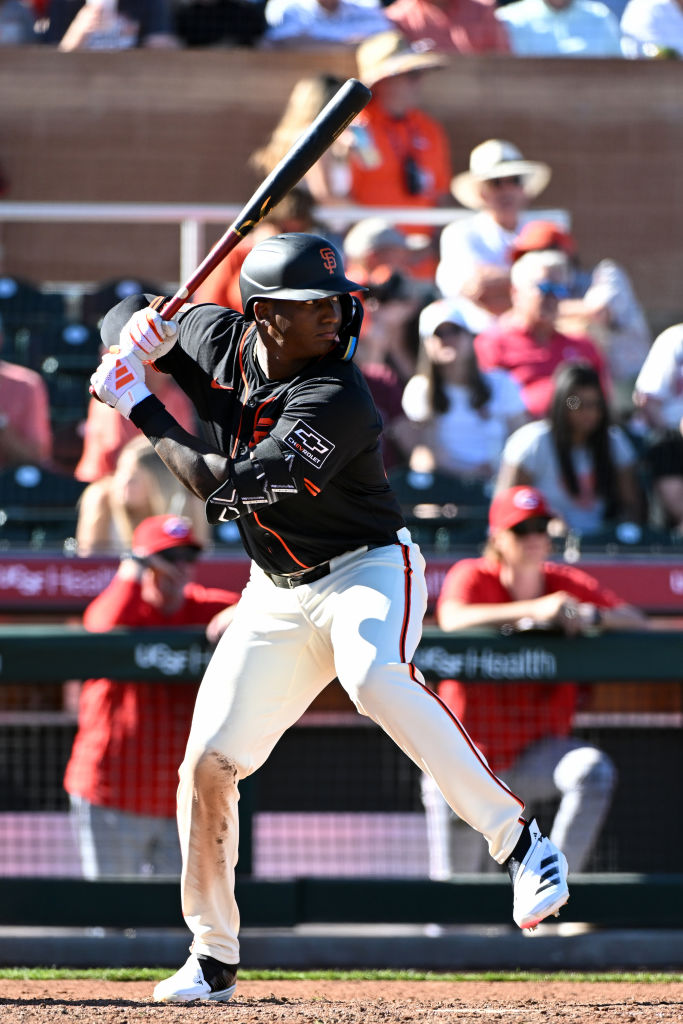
318,572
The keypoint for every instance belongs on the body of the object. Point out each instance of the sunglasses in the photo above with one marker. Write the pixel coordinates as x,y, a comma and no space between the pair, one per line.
558,291
530,526
179,556
512,179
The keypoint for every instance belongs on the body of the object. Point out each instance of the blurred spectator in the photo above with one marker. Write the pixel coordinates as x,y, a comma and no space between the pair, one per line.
450,26
652,28
328,179
16,24
219,22
475,250
110,24
122,775
524,728
601,303
525,340
658,397
373,243
105,432
25,429
141,485
398,155
294,213
462,415
584,466
561,28
315,23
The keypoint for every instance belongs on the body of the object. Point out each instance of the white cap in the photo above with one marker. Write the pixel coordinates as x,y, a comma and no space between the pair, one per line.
443,311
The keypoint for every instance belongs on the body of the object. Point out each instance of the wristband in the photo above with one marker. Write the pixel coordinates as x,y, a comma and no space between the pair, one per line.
152,417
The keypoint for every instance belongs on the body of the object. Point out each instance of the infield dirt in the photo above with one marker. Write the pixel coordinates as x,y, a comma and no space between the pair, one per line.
349,1002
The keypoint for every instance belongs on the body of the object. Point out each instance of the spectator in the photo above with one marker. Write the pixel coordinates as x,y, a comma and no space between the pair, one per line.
524,728
652,28
373,243
525,340
450,26
585,467
110,24
122,775
219,22
475,250
658,397
398,155
105,432
315,23
328,179
561,28
111,508
601,303
16,24
25,429
463,415
293,213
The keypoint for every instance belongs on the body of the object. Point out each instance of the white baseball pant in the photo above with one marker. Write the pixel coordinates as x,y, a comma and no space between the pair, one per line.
361,623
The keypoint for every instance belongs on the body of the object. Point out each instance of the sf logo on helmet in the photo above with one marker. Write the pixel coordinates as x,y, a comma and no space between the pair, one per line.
329,259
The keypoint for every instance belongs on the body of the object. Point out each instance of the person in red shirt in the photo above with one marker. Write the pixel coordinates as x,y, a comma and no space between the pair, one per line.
451,26
25,429
524,729
122,775
525,340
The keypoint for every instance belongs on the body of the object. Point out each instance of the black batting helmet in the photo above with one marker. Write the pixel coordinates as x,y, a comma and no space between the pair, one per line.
293,266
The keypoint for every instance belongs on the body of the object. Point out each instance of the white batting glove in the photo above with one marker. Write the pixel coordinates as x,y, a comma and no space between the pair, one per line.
147,336
119,381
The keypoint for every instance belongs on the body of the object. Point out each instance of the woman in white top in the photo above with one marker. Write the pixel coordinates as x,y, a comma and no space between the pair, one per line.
584,467
462,415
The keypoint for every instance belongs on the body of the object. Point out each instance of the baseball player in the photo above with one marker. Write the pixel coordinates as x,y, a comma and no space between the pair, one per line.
337,588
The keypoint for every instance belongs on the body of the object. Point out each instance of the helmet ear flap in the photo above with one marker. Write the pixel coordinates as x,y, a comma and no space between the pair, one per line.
352,320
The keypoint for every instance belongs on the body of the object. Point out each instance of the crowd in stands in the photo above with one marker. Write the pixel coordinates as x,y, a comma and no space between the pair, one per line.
496,358
527,28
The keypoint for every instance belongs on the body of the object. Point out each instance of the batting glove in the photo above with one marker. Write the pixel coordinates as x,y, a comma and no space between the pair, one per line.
119,381
147,336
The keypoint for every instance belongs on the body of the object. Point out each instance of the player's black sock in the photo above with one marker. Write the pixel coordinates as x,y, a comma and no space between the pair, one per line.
514,861
217,975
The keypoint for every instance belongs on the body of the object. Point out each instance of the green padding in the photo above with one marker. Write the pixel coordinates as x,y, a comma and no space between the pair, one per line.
47,654
626,900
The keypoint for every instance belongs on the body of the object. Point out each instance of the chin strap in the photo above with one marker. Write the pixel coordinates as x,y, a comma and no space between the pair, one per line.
352,312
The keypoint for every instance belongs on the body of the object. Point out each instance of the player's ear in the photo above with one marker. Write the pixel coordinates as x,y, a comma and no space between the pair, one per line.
263,310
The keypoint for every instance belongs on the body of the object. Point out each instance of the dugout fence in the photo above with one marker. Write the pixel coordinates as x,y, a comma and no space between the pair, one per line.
332,826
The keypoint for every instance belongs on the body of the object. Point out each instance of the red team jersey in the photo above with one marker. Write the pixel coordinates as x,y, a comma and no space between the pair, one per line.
504,719
131,735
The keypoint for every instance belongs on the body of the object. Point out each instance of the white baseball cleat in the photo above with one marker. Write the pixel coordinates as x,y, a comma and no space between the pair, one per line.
190,982
539,880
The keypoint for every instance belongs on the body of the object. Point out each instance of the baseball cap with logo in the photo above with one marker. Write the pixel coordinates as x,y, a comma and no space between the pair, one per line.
514,505
157,534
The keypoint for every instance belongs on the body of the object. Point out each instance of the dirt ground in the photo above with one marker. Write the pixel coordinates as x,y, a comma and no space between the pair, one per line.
348,1002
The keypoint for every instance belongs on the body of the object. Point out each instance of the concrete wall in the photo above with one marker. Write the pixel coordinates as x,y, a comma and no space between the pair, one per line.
156,127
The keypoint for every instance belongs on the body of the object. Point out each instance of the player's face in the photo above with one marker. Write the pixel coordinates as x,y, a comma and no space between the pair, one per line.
302,330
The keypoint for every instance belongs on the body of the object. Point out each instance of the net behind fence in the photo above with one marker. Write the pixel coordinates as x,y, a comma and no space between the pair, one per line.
336,797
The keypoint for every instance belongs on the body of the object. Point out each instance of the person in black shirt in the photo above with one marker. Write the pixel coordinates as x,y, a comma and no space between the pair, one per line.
337,588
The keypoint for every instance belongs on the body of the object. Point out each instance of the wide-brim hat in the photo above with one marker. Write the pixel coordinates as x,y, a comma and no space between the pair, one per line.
497,158
387,54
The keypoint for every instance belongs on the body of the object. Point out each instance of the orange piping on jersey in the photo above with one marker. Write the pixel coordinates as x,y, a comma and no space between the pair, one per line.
311,488
246,393
277,535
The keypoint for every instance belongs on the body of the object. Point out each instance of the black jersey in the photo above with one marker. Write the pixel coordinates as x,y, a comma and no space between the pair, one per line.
307,481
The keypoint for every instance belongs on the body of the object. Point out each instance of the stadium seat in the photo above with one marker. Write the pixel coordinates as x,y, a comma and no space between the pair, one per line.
30,319
95,304
38,507
442,511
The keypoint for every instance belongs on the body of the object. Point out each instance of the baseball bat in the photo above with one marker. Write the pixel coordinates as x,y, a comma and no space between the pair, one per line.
348,101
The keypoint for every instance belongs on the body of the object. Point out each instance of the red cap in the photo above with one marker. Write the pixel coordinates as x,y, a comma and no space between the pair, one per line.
541,234
514,505
159,533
